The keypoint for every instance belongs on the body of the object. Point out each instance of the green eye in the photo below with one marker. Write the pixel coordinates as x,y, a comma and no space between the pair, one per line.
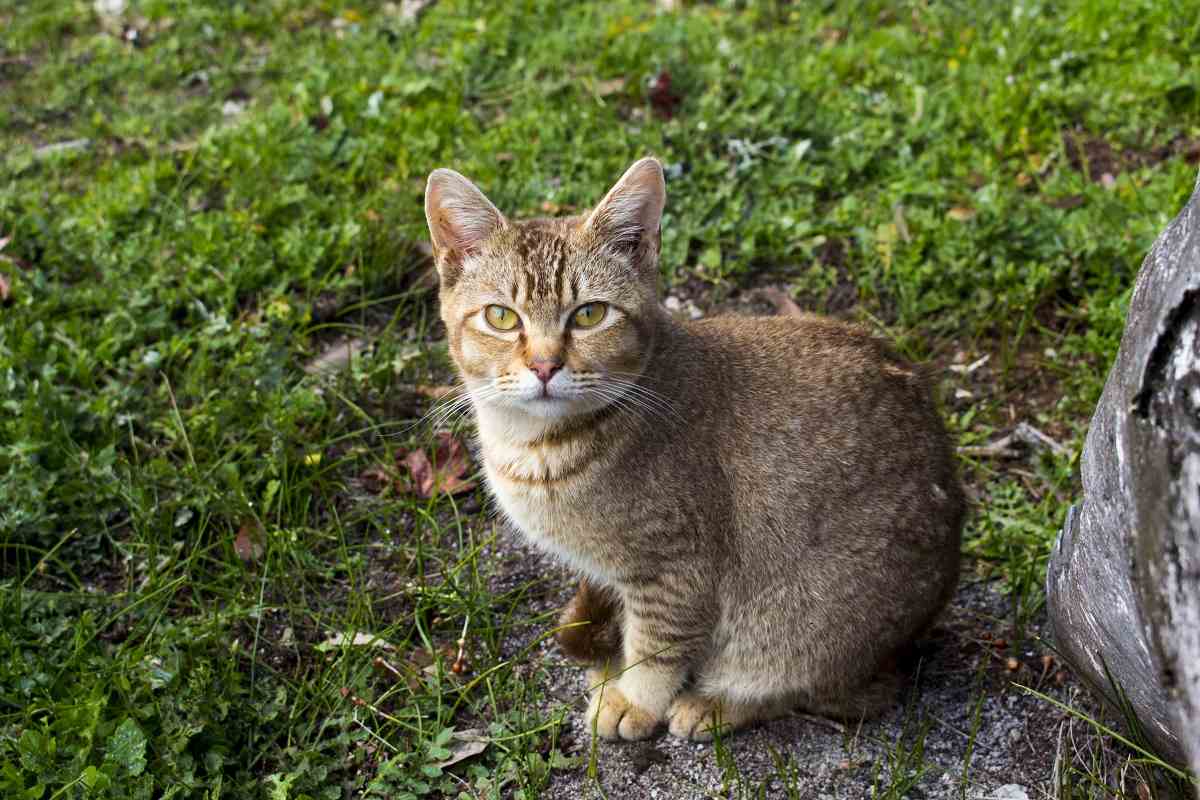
501,318
589,316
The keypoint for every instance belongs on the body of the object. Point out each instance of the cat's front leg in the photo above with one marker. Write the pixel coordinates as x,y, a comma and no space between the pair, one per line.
632,702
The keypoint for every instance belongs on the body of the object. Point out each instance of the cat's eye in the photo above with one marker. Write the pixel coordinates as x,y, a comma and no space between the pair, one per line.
590,314
501,318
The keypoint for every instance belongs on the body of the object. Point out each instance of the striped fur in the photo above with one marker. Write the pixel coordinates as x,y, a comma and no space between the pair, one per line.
764,510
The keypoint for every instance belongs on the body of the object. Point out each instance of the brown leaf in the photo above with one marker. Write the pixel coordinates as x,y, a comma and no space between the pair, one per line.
375,479
248,544
445,472
961,213
662,99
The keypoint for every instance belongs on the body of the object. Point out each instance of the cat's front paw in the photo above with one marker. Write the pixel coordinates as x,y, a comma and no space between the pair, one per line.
694,717
614,717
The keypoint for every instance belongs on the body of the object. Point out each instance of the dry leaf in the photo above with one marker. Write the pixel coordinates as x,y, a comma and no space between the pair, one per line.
375,479
248,544
606,88
445,472
662,99
961,213
339,640
470,742
336,358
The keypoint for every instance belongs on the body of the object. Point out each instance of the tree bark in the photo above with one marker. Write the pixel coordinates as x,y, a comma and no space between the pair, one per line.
1123,586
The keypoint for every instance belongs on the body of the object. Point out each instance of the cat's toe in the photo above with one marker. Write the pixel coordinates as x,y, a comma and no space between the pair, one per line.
637,724
615,718
693,717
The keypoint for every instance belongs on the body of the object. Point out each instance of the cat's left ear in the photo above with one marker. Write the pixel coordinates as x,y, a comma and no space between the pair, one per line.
629,216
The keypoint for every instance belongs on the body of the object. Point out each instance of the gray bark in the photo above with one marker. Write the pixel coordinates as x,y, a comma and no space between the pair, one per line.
1123,587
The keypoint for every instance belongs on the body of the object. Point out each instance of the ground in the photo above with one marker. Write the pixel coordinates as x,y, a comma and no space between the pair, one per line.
222,570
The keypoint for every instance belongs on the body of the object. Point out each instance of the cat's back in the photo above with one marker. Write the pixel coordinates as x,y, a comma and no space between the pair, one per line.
815,415
805,365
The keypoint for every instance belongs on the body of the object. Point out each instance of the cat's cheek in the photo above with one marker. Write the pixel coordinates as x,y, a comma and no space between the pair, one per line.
483,357
618,349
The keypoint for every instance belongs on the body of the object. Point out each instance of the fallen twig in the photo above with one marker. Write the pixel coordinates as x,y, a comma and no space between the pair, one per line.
1004,447
967,369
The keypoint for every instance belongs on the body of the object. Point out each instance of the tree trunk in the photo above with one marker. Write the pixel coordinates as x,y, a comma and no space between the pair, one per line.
1123,587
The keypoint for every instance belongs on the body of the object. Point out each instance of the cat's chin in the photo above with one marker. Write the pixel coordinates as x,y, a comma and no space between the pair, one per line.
550,408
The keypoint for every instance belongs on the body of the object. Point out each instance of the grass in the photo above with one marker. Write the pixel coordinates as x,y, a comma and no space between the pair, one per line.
241,187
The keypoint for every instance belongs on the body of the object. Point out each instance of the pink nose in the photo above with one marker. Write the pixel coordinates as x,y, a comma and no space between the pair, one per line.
545,368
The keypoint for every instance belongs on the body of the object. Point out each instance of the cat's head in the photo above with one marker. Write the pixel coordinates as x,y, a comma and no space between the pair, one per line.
548,318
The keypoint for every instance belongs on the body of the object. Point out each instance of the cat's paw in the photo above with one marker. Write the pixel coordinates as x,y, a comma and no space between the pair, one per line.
694,717
616,718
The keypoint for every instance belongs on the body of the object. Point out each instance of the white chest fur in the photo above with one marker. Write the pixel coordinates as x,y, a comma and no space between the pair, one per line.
542,489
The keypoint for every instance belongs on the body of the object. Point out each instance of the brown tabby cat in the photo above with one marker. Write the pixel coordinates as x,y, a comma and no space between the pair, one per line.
769,506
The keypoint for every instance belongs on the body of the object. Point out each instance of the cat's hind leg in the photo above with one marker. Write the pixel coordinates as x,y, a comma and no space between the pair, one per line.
864,701
590,625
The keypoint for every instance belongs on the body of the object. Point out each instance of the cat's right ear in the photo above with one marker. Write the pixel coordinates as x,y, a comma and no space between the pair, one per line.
460,219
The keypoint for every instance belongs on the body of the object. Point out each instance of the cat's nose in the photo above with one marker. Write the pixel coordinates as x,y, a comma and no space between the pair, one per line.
545,368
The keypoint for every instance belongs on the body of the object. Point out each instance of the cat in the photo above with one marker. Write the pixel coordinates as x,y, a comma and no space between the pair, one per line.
764,510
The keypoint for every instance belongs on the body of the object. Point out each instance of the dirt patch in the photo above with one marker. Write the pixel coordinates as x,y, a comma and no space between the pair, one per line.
1096,157
967,726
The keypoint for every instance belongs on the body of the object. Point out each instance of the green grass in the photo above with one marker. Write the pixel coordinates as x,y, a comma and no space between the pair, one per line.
171,275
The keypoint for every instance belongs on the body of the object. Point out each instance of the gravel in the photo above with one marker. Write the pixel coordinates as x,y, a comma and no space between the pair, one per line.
970,663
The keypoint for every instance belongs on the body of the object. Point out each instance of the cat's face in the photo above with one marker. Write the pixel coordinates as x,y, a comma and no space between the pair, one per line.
548,318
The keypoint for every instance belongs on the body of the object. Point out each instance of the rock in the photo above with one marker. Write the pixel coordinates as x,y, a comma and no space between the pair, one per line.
1123,585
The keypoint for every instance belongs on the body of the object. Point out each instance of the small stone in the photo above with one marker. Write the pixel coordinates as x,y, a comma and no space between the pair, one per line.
1010,791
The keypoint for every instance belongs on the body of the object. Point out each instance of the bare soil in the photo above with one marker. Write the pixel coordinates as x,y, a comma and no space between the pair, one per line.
967,730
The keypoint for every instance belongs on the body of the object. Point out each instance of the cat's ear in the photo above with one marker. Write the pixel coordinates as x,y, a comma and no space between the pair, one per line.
460,217
629,216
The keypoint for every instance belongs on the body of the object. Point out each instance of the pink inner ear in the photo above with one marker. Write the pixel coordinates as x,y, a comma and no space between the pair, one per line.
632,210
460,217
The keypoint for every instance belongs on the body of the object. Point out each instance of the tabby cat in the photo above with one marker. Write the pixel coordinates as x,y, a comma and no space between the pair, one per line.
767,508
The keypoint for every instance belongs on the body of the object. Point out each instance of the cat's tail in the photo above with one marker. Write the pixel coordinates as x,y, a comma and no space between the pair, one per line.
590,625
